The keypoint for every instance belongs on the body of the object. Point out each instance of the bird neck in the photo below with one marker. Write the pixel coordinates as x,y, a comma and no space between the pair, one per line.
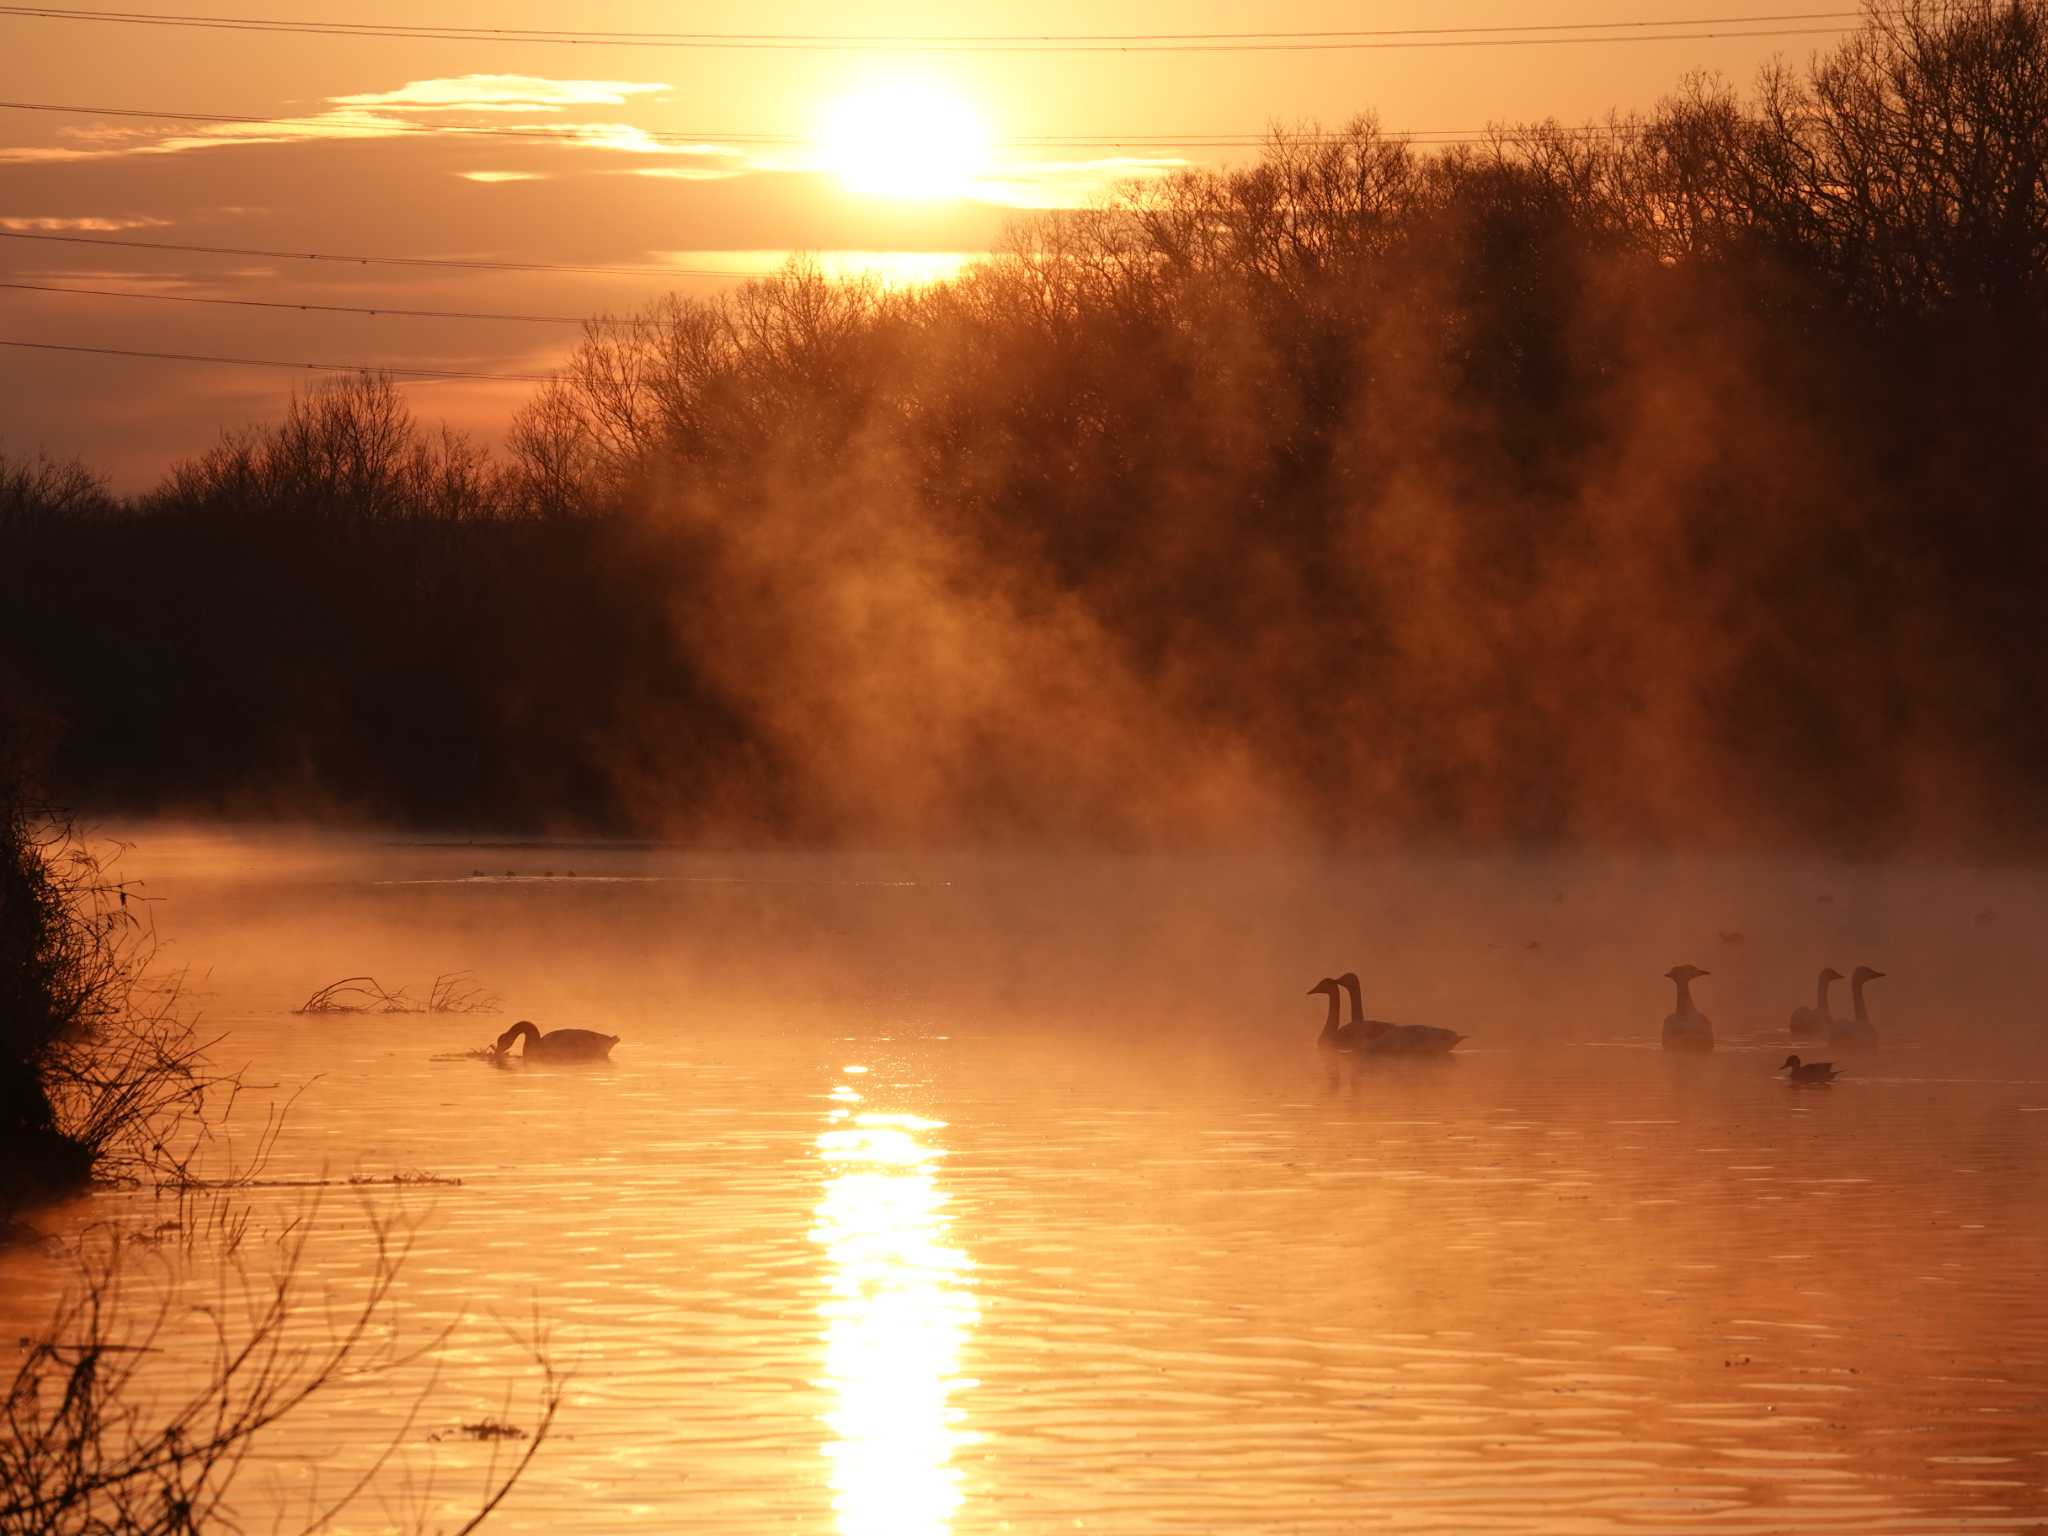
1821,997
525,1031
1357,995
1685,1007
1856,992
1330,1019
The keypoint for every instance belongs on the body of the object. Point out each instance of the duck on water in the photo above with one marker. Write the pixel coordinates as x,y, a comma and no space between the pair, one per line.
557,1044
1686,1028
1810,1073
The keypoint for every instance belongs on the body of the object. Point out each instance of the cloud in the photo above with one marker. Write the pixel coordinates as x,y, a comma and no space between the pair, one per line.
891,268
89,225
501,93
409,110
686,172
493,177
1067,183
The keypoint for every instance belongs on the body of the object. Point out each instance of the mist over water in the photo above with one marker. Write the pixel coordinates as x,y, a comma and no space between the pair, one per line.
974,1193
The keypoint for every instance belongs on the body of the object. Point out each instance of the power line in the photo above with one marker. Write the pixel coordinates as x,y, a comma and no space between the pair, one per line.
1628,30
341,126
368,126
450,262
380,311
379,29
266,362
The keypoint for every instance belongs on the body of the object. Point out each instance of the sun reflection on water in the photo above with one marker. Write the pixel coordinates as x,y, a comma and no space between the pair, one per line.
897,1314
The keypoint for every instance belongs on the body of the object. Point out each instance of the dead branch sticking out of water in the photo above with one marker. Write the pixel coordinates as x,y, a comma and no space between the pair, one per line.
452,992
357,994
93,1444
461,992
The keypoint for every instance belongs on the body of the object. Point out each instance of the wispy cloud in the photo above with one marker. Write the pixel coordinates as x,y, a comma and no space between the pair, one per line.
93,225
575,120
45,154
501,93
892,268
1068,183
691,172
419,106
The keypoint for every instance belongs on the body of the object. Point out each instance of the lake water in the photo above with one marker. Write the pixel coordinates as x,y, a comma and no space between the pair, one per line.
1003,1194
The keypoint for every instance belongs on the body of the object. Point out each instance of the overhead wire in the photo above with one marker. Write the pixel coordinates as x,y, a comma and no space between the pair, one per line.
1626,30
340,125
457,263
380,311
393,370
1781,24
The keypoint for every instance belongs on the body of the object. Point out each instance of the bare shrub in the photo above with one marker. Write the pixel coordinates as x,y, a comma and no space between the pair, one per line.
100,1074
92,1445
357,994
452,992
461,992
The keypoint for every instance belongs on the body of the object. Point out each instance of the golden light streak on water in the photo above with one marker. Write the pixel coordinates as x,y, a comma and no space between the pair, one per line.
897,1315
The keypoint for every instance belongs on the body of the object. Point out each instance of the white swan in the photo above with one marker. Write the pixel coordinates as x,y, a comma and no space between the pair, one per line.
1687,1029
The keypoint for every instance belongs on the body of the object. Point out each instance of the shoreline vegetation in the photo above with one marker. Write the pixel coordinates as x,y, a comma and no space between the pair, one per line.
1676,480
104,1082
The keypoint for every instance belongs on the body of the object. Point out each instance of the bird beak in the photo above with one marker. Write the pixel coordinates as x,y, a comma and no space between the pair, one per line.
1703,973
1877,975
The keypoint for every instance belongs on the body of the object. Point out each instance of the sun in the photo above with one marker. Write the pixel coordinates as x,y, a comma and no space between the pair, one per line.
904,139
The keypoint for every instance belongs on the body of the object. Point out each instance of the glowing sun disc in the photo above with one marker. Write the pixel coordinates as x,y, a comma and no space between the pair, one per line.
904,140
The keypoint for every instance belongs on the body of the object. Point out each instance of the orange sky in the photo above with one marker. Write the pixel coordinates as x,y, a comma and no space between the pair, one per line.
360,183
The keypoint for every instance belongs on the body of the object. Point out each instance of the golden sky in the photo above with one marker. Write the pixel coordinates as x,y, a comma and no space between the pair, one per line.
705,161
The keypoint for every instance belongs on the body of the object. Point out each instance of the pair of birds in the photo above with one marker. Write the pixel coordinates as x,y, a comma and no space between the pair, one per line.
1375,1037
556,1044
1820,1023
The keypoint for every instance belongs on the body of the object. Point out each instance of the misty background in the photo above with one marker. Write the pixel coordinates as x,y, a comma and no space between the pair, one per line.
1675,481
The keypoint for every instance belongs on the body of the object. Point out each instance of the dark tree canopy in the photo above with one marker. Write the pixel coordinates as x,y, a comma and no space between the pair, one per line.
1682,478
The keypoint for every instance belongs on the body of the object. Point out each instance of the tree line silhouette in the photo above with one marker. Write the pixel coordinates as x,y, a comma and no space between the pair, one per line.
1677,477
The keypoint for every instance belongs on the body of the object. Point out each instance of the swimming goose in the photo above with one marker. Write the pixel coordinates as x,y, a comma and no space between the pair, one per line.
1384,1039
1687,1029
1810,1071
1857,1033
1817,1022
557,1044
1335,1036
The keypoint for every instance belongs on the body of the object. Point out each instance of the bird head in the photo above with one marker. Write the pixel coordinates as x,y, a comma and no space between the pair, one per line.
1865,973
1830,974
1685,973
1325,985
1791,1064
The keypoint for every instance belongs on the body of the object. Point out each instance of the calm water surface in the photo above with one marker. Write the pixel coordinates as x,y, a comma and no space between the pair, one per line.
956,1196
